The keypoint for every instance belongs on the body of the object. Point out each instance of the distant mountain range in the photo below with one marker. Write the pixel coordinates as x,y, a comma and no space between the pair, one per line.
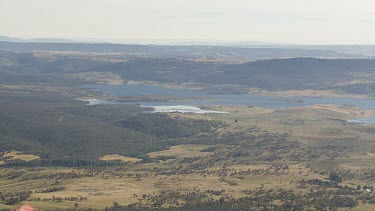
38,40
355,76
252,50
202,52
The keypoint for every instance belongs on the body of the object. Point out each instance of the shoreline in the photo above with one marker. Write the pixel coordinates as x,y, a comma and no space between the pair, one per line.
310,93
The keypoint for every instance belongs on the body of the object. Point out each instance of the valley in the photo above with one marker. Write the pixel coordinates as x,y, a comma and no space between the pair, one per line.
113,131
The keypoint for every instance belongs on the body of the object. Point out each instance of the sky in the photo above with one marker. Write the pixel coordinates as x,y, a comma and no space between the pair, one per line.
169,21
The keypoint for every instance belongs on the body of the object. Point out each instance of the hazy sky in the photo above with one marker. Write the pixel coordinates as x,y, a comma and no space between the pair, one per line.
280,21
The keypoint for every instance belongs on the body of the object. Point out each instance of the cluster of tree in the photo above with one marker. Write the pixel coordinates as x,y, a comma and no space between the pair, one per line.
317,182
215,192
58,199
318,187
50,190
267,147
11,198
117,207
364,174
334,177
62,163
57,176
258,199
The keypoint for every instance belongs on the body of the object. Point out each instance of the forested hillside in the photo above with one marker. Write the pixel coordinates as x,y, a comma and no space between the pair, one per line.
296,73
354,76
55,127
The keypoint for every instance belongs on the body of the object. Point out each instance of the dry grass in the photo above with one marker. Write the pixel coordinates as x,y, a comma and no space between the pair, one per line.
350,111
362,207
121,158
19,155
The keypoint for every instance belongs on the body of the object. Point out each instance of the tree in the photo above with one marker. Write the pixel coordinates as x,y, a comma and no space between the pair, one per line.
115,204
335,178
222,200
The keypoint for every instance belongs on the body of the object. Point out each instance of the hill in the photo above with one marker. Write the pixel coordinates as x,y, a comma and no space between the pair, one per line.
56,127
354,76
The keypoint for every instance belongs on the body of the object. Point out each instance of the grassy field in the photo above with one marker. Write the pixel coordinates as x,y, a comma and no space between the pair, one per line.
120,158
12,155
107,187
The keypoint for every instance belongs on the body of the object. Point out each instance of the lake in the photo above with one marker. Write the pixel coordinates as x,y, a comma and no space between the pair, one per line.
224,99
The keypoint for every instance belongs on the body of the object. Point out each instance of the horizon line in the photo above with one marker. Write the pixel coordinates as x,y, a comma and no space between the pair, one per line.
182,42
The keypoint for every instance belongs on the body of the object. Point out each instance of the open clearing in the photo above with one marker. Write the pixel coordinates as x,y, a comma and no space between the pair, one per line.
120,158
13,155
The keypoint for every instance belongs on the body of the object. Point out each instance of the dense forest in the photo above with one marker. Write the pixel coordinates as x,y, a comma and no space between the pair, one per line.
55,127
161,125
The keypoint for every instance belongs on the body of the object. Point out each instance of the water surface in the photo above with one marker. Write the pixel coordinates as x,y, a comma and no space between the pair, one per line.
227,100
